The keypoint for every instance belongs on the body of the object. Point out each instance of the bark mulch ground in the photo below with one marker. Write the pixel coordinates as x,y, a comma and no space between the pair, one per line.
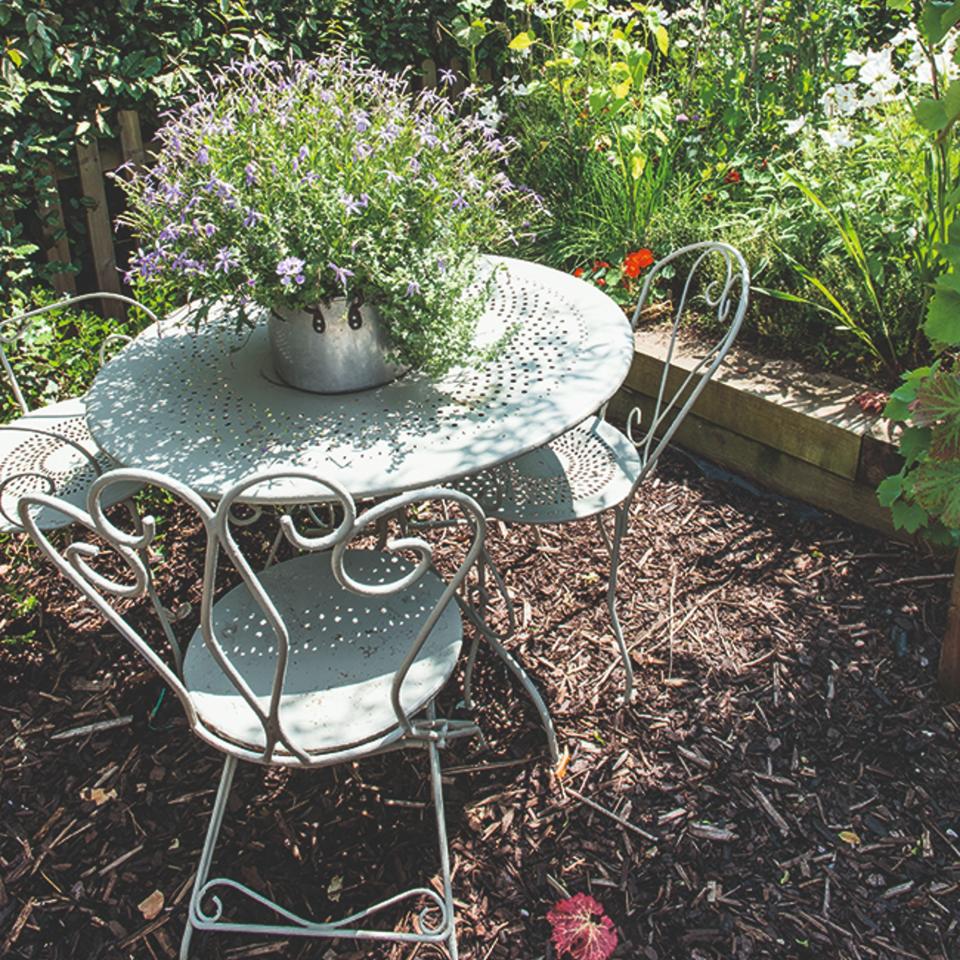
784,786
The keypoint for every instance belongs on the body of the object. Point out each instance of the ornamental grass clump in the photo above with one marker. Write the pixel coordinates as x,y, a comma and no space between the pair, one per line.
291,184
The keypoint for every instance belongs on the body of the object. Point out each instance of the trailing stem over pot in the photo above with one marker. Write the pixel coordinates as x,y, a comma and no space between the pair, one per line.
295,183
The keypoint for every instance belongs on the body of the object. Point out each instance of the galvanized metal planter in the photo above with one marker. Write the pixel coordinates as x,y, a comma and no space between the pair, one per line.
334,347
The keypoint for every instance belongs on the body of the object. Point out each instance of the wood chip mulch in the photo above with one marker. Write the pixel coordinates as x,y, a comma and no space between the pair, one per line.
784,786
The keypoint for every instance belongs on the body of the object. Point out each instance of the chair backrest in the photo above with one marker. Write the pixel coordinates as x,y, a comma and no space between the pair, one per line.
82,562
718,280
12,329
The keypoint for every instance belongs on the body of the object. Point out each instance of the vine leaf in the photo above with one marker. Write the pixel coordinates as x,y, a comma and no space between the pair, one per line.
582,929
914,442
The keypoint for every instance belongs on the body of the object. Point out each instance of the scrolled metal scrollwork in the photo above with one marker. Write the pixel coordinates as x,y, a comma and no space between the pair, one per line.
211,917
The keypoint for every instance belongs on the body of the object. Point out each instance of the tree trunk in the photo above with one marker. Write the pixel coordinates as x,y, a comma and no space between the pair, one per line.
949,674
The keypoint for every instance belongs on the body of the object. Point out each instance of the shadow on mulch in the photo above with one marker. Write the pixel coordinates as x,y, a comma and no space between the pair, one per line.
786,751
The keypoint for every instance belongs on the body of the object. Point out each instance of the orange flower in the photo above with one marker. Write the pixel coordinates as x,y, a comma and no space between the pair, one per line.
639,260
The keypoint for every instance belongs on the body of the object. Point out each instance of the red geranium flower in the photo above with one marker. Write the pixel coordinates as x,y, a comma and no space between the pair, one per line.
582,929
578,272
733,176
600,264
639,260
601,282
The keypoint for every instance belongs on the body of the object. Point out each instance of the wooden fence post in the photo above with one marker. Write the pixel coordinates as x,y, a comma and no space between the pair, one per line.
58,249
428,72
131,139
949,673
98,225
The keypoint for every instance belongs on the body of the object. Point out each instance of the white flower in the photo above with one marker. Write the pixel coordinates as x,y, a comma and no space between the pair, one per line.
854,58
877,66
790,127
840,100
906,35
837,138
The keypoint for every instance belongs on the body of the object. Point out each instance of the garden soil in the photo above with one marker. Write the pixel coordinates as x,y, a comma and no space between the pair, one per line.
784,785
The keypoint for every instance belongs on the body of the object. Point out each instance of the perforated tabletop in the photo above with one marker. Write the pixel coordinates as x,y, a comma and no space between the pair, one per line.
207,409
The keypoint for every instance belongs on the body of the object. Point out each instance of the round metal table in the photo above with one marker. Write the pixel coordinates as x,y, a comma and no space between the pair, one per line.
207,409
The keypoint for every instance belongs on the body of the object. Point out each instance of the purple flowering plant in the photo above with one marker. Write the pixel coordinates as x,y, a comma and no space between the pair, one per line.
299,182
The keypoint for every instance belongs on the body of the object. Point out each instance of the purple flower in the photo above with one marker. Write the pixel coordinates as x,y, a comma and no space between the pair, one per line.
448,78
361,120
341,273
414,165
209,230
392,177
413,288
225,260
459,202
203,156
351,204
288,269
682,118
250,173
364,200
441,265
252,218
362,150
389,133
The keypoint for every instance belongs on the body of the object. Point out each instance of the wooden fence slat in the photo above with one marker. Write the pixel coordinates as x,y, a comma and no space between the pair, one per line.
131,139
98,224
428,71
58,250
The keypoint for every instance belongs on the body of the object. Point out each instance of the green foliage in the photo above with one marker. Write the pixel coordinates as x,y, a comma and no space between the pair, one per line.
925,494
57,354
66,67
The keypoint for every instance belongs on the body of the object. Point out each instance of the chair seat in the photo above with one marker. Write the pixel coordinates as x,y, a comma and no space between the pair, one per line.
345,649
50,450
581,473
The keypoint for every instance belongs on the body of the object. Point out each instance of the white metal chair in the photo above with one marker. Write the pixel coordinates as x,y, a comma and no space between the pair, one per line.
595,467
49,449
334,655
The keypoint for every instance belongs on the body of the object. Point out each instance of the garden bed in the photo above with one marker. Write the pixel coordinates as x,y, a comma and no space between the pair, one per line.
799,432
786,754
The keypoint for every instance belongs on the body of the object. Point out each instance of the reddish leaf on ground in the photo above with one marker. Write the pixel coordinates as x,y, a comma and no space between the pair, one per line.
582,929
871,401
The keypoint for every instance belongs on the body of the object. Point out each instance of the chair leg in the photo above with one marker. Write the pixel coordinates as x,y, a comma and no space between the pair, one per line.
619,529
532,692
206,857
437,785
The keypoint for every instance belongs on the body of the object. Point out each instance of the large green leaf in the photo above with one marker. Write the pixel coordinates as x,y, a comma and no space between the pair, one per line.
938,406
931,114
936,488
943,316
908,516
937,19
914,442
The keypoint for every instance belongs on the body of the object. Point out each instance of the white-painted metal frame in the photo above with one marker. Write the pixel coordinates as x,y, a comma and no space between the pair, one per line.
49,449
594,467
206,408
258,647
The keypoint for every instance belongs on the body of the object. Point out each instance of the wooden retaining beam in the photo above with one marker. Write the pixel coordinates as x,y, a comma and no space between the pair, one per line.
801,434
